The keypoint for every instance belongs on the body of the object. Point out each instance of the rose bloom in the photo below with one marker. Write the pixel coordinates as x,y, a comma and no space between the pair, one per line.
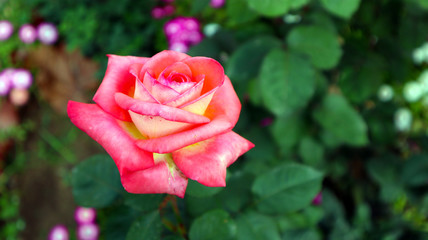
163,120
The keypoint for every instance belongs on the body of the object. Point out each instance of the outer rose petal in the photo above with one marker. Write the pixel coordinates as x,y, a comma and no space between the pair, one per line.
157,179
160,61
206,161
156,120
223,111
210,68
105,129
117,79
155,109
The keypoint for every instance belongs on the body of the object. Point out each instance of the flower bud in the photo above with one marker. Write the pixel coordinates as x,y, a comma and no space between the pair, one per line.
47,33
27,33
6,30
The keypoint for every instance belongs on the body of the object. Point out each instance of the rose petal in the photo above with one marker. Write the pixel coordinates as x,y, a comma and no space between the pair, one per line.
189,95
177,67
223,111
118,141
159,91
141,92
210,68
157,179
154,109
155,120
199,105
161,61
117,79
206,161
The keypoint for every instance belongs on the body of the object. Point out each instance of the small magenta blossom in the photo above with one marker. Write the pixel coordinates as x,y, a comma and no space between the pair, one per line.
217,3
84,215
47,33
59,232
27,33
6,81
6,30
183,32
158,13
89,231
21,78
266,121
317,199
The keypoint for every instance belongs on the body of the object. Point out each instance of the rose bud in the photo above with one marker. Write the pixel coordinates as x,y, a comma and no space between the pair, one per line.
21,78
88,231
47,33
19,97
27,33
84,215
163,120
6,30
59,232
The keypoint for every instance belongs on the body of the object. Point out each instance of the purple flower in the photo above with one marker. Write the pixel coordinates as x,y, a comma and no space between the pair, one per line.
183,32
6,81
179,47
84,215
158,13
47,33
6,30
317,199
21,78
169,10
217,3
27,33
87,231
59,232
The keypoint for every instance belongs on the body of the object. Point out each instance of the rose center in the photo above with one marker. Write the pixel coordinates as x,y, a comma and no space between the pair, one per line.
178,77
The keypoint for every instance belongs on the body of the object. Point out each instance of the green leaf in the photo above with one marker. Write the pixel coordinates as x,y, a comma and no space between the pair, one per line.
255,226
415,171
238,12
341,8
296,4
287,82
359,83
237,192
271,8
303,234
96,182
287,131
311,152
196,189
143,202
213,225
118,220
295,185
321,45
147,227
245,62
342,121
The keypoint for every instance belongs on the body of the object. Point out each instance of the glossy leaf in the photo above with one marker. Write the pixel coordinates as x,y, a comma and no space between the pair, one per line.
287,188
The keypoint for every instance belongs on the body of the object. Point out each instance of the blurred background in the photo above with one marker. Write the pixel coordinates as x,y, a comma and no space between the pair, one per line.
334,95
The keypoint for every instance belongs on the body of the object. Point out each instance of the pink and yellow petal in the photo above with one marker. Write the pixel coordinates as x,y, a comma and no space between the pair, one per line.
161,178
117,79
115,136
206,161
210,68
223,111
159,62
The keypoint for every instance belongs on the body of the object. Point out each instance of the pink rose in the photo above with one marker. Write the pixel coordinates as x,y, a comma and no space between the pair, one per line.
163,120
